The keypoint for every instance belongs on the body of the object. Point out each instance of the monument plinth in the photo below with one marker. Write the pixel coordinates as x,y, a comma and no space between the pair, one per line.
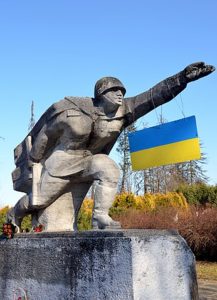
116,265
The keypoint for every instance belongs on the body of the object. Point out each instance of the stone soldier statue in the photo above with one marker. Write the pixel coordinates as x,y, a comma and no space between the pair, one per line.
73,138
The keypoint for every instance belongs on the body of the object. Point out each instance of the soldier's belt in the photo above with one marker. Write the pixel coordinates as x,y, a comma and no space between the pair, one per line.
83,153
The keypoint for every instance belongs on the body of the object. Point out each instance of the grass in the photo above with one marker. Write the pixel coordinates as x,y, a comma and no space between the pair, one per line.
206,270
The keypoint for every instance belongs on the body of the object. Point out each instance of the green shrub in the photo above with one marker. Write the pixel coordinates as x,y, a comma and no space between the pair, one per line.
3,212
27,223
199,194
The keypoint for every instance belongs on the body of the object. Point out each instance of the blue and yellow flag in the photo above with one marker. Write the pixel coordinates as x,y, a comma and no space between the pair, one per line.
168,143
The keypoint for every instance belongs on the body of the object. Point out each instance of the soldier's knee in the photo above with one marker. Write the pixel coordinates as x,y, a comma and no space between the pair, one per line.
106,168
38,206
41,202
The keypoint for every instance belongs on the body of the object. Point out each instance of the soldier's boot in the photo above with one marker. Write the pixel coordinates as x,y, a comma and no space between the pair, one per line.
16,214
103,199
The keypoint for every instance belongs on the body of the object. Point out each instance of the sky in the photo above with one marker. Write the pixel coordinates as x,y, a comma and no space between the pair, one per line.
51,49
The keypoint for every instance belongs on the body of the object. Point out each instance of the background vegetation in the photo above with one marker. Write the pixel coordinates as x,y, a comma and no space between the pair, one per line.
192,210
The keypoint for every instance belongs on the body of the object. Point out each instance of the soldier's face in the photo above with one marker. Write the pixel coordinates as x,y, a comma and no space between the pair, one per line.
113,97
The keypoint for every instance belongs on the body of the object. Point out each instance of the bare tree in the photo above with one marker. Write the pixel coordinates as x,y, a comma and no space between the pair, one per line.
125,163
32,118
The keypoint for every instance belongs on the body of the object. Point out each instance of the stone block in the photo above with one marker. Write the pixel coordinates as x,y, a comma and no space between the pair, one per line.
98,265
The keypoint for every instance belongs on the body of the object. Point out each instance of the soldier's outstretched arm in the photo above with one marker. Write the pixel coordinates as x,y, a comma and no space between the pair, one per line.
165,90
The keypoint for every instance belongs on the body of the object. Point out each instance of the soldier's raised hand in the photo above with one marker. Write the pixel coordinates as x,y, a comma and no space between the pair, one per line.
197,70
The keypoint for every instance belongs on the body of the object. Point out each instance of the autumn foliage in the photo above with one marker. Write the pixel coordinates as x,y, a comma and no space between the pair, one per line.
128,201
197,224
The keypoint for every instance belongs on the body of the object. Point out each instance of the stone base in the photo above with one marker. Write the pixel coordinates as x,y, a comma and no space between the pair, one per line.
122,265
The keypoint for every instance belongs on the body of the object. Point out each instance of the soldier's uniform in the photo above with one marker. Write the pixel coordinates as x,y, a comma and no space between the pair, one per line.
72,140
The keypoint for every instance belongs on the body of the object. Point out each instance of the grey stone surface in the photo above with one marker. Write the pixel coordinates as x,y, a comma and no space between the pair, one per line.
59,216
129,264
68,148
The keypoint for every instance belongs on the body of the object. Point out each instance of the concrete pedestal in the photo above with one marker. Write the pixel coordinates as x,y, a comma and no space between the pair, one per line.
98,265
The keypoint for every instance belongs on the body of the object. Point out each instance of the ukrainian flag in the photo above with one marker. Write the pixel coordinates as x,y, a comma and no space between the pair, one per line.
168,143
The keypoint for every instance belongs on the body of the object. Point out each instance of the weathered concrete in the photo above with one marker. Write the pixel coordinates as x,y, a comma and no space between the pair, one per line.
130,264
62,210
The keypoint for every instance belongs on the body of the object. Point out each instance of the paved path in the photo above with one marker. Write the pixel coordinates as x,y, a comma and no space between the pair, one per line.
207,289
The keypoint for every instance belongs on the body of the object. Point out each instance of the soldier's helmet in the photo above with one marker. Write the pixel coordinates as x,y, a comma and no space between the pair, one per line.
106,83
